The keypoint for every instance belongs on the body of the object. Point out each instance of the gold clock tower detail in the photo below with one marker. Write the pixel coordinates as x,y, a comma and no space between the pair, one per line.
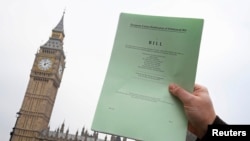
45,78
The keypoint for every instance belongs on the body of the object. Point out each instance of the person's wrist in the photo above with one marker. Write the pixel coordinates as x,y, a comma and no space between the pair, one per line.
209,121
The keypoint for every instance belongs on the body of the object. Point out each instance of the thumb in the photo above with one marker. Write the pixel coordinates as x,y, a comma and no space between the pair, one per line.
179,92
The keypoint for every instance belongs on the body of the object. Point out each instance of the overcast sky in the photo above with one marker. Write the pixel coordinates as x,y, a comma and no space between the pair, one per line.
90,26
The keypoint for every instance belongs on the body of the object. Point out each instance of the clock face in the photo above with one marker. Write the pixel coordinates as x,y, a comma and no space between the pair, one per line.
60,69
45,64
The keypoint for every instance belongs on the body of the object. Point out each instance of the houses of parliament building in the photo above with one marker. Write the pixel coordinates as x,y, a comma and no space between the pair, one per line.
32,123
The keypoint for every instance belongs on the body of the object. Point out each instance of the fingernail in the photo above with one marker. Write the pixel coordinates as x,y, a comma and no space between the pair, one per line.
172,86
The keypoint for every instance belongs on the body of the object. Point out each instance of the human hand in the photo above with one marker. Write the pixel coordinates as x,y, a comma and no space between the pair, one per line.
198,108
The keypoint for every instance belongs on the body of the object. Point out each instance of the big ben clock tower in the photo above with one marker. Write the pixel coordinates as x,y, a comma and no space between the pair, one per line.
45,78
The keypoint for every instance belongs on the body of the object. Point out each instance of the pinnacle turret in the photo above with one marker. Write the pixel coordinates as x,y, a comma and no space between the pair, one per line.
57,36
59,27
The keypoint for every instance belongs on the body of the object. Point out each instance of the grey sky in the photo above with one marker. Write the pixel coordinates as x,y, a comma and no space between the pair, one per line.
90,27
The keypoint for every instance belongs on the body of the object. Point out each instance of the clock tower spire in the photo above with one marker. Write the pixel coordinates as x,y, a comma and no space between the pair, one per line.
45,78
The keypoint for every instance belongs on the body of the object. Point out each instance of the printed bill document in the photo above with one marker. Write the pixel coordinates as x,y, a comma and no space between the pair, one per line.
149,53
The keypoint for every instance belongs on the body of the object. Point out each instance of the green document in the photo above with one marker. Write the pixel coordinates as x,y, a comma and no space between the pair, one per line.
149,53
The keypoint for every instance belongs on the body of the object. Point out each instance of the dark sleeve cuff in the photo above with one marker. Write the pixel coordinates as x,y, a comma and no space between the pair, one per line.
217,121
